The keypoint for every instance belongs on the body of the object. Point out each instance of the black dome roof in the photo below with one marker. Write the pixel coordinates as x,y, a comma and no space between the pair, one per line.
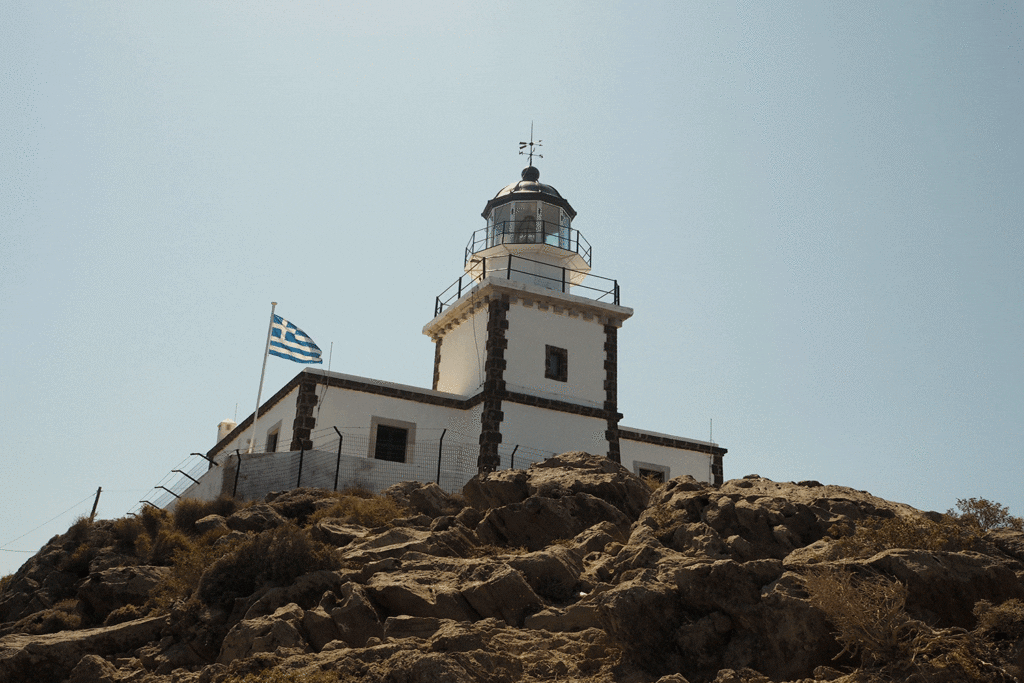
529,189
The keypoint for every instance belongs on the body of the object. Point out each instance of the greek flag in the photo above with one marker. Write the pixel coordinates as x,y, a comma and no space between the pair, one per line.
288,341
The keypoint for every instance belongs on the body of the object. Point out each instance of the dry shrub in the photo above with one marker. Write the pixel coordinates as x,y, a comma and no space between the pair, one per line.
278,557
985,515
6,582
126,530
653,482
64,616
166,544
125,613
153,519
1001,623
868,613
870,620
78,561
79,530
874,534
188,564
361,507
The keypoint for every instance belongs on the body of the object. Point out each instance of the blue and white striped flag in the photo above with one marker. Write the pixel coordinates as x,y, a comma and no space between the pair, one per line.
288,341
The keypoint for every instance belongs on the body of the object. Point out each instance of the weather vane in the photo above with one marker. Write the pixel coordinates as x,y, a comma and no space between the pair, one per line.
531,144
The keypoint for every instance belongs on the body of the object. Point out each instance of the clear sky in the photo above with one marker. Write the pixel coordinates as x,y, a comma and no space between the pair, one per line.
816,211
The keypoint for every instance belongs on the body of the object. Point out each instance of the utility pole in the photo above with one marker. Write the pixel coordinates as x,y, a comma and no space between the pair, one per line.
92,515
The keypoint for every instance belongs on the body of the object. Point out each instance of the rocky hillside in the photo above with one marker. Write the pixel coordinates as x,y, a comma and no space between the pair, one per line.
573,570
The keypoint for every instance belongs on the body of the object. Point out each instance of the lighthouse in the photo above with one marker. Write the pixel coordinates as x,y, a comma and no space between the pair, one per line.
535,335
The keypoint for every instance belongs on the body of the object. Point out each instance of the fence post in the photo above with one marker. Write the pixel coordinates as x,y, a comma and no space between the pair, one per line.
302,455
440,443
508,275
616,292
512,458
238,469
337,468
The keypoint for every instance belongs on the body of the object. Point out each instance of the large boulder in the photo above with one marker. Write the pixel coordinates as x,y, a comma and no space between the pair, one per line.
560,476
539,520
111,589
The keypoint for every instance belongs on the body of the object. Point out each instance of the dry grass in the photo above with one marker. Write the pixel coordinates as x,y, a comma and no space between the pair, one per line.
357,506
188,511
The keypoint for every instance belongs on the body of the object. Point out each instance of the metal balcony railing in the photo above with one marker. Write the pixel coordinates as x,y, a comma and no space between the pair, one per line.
528,232
601,289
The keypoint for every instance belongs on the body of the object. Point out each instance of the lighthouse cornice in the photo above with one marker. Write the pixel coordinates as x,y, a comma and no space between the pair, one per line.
498,288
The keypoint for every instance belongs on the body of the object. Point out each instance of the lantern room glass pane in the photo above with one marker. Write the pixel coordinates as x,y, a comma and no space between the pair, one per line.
526,228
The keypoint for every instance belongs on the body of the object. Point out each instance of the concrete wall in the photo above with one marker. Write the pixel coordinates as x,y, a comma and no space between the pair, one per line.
462,355
551,430
680,462
532,326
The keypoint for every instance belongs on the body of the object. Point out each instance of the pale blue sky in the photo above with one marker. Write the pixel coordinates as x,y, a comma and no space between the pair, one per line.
816,211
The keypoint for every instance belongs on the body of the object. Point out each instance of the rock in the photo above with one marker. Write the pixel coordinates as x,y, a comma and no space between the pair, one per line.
355,616
306,591
111,589
498,591
264,634
336,533
537,521
420,594
411,627
51,658
211,523
560,476
93,669
553,573
427,499
258,517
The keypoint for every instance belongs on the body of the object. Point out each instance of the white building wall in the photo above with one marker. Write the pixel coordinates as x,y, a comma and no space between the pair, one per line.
551,430
531,329
637,454
462,355
282,412
354,411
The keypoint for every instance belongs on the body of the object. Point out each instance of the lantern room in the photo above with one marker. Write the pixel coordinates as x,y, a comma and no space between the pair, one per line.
529,235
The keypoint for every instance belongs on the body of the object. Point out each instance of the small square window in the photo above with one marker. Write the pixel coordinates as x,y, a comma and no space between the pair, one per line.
391,442
556,363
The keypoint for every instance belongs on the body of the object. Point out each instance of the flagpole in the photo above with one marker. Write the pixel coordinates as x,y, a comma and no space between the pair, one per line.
259,394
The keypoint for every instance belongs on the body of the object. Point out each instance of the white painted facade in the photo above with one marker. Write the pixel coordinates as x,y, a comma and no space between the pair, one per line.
525,367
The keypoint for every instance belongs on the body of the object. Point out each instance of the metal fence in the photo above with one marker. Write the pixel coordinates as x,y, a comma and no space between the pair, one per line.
335,464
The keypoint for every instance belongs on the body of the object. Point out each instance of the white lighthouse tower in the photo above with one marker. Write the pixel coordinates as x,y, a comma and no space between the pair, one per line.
528,332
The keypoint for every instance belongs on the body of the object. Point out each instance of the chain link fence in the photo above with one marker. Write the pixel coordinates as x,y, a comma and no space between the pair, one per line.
338,460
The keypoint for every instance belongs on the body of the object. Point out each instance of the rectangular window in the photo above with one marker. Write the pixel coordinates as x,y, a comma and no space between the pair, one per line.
272,441
656,475
391,442
556,363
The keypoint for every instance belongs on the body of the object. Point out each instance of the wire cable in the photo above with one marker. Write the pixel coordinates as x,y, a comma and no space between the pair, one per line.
44,524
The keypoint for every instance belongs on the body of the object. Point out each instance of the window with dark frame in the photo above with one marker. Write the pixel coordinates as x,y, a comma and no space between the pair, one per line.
656,475
390,444
272,441
556,363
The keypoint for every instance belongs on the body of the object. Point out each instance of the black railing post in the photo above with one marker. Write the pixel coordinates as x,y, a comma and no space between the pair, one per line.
484,266
238,470
508,275
440,443
616,292
563,279
302,455
512,458
337,468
